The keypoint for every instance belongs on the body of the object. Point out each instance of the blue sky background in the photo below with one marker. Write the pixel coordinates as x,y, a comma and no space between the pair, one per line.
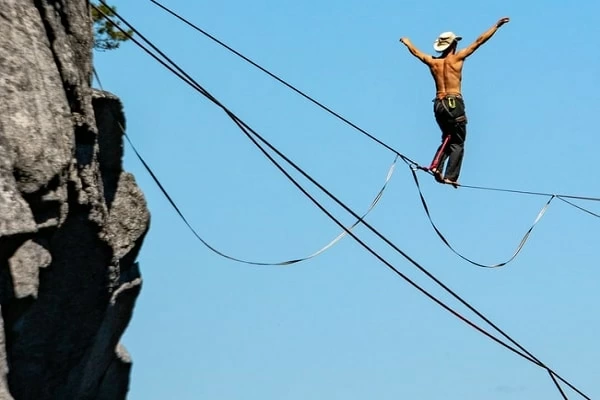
342,326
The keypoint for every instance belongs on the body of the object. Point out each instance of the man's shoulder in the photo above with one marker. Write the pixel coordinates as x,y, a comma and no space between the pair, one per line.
435,61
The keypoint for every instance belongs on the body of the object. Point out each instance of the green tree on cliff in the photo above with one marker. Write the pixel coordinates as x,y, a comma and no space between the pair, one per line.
106,35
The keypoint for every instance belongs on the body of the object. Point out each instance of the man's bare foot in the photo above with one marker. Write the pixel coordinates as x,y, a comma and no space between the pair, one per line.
451,182
437,175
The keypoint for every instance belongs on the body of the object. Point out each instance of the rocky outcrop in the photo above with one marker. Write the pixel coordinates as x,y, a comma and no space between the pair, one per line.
71,220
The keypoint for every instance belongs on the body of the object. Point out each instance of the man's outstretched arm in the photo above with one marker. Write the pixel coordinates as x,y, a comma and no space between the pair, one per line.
485,36
425,58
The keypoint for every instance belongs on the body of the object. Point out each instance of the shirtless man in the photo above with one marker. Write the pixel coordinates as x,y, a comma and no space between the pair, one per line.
449,107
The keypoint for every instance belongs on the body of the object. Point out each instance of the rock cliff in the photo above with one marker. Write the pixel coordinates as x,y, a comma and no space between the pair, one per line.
71,220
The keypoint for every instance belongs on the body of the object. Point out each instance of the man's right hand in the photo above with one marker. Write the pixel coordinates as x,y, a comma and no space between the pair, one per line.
502,21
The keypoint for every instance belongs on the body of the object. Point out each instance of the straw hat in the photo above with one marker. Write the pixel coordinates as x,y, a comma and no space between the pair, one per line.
444,41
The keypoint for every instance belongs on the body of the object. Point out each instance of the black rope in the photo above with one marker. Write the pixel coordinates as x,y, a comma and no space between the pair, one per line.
558,387
525,192
282,81
578,207
97,77
447,243
249,132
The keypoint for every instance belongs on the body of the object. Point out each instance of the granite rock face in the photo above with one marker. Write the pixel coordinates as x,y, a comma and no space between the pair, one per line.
71,220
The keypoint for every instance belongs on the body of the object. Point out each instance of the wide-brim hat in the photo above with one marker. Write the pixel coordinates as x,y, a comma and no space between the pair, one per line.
444,41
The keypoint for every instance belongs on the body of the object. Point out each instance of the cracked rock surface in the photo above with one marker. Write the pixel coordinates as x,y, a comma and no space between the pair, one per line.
71,220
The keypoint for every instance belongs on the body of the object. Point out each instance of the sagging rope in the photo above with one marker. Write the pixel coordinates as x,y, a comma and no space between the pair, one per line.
524,239
259,263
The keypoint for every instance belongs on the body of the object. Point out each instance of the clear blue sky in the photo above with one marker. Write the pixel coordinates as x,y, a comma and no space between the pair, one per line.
342,326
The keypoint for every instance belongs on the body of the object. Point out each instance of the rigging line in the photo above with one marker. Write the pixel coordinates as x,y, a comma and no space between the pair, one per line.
564,396
282,81
579,207
525,192
447,243
97,77
220,253
332,112
190,81
187,79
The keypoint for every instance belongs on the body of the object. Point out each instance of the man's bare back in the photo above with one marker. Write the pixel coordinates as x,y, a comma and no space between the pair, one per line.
447,74
447,68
